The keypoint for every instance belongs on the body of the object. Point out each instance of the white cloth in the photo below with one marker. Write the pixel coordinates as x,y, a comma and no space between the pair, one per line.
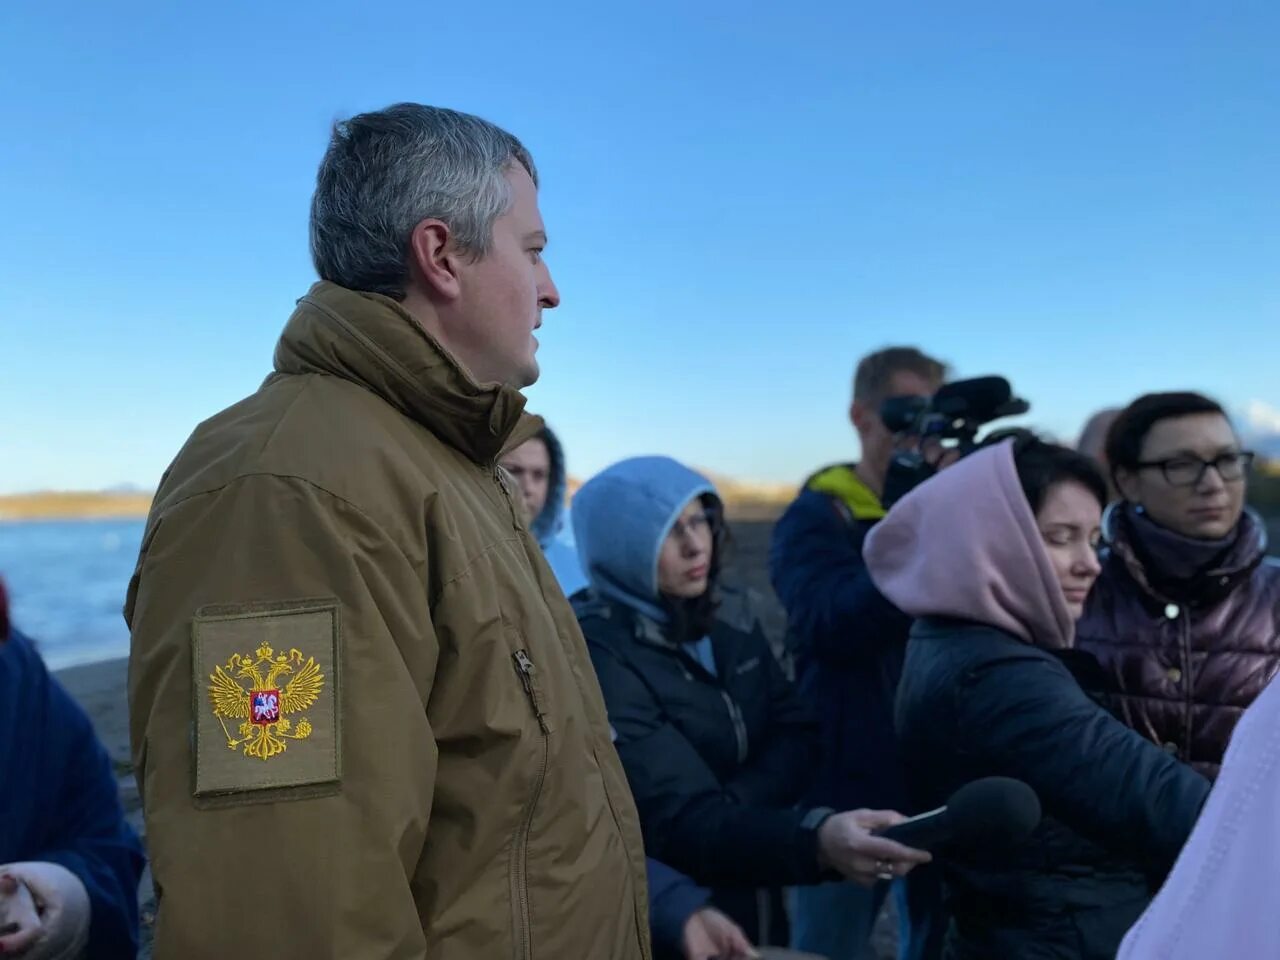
1220,899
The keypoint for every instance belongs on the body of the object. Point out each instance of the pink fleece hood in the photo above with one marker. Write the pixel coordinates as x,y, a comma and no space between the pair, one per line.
965,544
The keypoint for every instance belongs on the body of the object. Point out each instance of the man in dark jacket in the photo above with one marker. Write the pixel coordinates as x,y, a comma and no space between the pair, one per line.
850,642
69,864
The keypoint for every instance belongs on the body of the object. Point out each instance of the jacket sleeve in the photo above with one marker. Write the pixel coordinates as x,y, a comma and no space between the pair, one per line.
673,899
306,872
780,768
690,820
90,837
1028,715
817,570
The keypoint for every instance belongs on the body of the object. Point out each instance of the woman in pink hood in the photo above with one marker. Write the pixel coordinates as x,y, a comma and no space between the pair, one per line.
994,558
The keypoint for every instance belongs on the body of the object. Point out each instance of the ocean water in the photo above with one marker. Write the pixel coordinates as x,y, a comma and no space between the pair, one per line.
67,581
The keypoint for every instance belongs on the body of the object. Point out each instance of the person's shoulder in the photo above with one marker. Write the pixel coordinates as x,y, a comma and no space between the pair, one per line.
317,431
22,658
810,513
604,622
972,644
1268,573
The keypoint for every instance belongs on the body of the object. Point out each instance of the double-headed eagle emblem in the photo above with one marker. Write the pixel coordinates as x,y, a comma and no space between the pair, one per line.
262,707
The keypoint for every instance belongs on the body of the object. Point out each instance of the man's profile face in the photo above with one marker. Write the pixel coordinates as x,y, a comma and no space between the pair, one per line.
530,465
505,291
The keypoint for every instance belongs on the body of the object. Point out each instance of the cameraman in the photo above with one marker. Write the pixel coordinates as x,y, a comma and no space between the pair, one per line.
850,643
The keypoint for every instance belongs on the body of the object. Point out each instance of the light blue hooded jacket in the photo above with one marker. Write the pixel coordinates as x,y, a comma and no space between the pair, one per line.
621,518
551,527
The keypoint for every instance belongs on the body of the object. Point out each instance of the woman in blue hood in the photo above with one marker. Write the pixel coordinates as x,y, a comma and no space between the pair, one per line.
716,744
538,467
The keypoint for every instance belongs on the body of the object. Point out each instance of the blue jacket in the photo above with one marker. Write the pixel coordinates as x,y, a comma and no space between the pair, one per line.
849,640
551,527
58,798
673,899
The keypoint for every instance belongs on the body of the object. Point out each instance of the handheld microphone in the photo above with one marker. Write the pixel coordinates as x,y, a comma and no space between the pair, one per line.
990,813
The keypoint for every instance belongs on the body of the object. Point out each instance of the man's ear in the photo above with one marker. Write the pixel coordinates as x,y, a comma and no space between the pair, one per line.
860,415
434,260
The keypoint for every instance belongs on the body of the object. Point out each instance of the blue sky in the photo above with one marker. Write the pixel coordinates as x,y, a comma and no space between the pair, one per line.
742,200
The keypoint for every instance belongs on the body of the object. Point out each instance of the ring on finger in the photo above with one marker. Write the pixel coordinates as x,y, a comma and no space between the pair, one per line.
884,870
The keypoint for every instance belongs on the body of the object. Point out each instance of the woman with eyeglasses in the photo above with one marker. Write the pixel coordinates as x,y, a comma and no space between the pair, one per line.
1185,617
717,746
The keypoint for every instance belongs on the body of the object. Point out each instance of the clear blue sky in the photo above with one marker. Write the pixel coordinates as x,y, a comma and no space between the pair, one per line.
742,200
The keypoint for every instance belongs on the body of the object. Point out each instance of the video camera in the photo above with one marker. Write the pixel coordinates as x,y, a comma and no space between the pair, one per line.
947,421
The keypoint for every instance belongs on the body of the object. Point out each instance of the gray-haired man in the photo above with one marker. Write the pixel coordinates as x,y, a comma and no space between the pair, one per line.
364,721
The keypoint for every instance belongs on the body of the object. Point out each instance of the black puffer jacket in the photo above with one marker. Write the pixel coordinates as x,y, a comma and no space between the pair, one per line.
716,761
975,702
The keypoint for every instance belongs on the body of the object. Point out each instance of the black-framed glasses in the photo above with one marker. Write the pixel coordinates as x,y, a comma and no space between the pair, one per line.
1188,471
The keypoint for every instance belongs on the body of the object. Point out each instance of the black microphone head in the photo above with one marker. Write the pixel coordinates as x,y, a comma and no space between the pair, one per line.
992,812
978,399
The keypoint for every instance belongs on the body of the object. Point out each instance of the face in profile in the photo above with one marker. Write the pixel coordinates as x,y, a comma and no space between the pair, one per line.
1192,476
1070,523
530,465
684,562
501,295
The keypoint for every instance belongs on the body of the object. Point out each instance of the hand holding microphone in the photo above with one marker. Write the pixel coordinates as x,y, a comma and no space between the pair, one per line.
870,845
848,843
991,813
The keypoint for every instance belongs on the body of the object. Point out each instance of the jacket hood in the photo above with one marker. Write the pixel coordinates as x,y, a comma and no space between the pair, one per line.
965,544
621,517
372,341
550,523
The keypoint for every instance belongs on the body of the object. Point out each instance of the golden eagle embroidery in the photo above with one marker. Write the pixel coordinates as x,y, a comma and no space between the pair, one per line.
263,706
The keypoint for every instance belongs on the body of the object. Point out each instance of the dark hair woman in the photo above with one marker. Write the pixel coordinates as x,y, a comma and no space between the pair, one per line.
1185,617
995,556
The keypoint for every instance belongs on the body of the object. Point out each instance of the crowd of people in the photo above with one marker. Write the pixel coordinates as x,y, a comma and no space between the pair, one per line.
392,696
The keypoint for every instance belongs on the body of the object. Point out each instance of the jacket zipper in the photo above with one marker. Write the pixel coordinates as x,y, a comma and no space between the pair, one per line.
739,725
507,494
520,865
1188,698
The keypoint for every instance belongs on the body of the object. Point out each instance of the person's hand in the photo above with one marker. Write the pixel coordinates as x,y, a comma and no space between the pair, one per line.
938,456
846,843
18,916
710,935
44,912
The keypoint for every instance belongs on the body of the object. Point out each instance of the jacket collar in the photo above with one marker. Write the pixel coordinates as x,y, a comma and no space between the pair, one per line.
372,341
1207,586
842,482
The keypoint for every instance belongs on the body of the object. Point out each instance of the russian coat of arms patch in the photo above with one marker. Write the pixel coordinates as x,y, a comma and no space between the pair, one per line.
266,699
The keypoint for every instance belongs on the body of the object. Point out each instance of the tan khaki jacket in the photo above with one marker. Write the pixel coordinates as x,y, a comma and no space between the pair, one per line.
363,717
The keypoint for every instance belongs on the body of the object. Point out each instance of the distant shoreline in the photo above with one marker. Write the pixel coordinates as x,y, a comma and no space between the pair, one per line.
75,506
